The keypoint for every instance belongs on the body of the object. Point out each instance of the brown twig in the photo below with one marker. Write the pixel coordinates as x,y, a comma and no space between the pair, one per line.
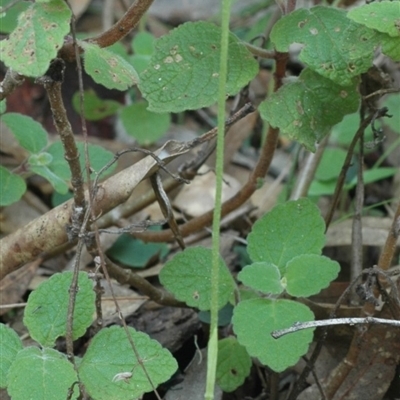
10,82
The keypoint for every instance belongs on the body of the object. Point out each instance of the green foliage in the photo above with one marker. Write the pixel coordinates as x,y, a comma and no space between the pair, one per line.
145,126
307,107
37,38
183,71
10,345
9,19
143,48
41,374
234,364
12,187
110,370
94,108
255,319
108,68
134,252
46,312
392,102
187,276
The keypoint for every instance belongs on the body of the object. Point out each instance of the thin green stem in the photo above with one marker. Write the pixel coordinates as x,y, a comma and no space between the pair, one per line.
212,353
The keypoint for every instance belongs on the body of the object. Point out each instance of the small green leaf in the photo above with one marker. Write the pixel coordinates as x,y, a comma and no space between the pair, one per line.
3,106
29,133
334,46
94,108
110,370
331,164
262,276
98,156
59,184
373,175
46,312
233,365
41,159
308,274
43,374
288,230
134,252
383,16
188,277
12,187
37,38
108,68
184,68
143,48
319,188
392,102
253,322
10,345
145,126
306,108
9,19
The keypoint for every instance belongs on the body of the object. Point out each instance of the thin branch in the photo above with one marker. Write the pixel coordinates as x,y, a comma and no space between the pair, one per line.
298,326
10,82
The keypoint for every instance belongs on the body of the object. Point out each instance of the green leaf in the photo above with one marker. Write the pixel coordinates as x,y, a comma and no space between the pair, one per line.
233,365
41,159
10,345
306,108
145,126
383,16
108,68
373,175
94,108
343,132
392,102
59,184
188,277
308,274
43,374
39,35
9,19
46,312
143,47
390,46
134,252
110,370
331,164
253,322
12,187
183,71
262,276
334,46
319,188
3,106
288,230
98,156
29,133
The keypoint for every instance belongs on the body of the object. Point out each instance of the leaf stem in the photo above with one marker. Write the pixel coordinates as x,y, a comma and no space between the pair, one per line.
212,353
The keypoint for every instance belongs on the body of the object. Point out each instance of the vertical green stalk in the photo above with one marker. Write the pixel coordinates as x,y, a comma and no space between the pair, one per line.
212,353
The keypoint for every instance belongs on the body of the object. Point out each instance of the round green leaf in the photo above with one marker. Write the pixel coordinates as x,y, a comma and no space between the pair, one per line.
262,276
233,364
29,133
253,322
188,277
10,345
293,228
94,108
306,108
3,106
334,46
383,16
308,274
184,68
108,68
41,159
331,164
39,35
110,370
46,312
43,374
12,187
145,126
